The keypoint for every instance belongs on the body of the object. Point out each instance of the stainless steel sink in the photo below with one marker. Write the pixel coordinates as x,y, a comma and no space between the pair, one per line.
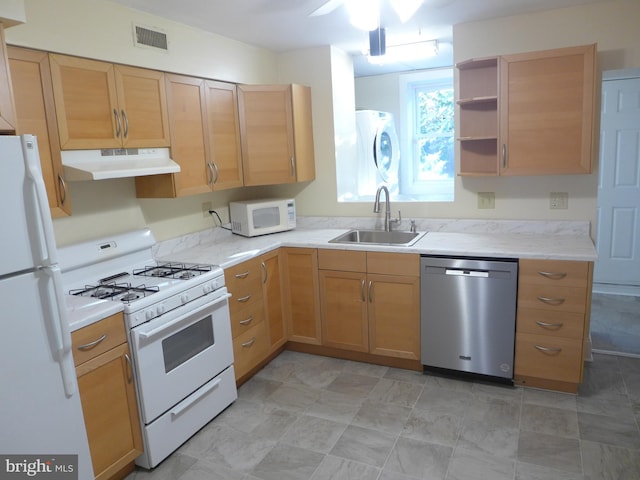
378,237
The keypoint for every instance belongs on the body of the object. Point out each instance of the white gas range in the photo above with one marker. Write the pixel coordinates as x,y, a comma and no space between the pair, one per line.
177,316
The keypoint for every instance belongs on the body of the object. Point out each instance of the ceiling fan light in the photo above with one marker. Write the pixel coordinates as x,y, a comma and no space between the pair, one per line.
363,14
405,8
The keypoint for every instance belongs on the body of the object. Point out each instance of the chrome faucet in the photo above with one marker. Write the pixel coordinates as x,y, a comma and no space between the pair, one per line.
387,208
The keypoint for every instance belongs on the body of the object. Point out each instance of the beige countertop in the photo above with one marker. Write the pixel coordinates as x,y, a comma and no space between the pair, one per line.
220,246
84,311
229,249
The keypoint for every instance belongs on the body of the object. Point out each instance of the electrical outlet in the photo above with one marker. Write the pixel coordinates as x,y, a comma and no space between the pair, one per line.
486,200
558,200
206,206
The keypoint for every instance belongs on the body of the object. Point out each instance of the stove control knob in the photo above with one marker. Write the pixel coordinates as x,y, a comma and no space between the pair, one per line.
161,309
184,298
207,288
148,314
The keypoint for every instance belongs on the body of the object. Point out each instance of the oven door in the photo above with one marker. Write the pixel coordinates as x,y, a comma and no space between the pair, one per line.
177,353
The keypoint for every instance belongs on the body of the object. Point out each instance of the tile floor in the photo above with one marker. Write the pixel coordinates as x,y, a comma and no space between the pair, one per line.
615,323
311,417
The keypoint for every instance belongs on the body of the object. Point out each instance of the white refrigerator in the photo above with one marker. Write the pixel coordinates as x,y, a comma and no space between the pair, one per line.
40,409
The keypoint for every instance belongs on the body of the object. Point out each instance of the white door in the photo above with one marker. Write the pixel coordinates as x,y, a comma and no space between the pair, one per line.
618,236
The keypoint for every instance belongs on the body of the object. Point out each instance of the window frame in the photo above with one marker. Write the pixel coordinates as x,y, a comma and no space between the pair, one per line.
410,187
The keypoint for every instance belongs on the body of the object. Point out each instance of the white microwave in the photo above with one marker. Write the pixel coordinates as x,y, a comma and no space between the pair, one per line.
259,217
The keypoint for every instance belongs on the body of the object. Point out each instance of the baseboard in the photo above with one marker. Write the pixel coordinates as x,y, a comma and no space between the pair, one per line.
617,354
609,288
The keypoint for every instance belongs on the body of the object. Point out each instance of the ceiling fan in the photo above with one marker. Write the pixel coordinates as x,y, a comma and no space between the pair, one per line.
364,14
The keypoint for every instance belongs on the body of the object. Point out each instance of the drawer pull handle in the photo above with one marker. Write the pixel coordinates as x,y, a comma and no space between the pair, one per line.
549,325
249,343
242,275
130,372
553,275
90,345
551,301
547,349
244,299
246,321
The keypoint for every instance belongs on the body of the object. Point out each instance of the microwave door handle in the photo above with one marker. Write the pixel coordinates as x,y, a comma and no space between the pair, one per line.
162,328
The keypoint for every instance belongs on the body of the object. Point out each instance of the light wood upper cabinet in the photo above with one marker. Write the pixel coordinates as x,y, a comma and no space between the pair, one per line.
102,105
276,134
223,134
7,108
35,114
547,111
205,139
527,114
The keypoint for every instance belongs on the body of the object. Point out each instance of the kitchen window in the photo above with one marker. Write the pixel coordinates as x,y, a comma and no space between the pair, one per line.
426,136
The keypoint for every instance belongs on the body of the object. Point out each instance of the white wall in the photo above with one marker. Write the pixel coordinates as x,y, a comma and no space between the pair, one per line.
102,30
612,25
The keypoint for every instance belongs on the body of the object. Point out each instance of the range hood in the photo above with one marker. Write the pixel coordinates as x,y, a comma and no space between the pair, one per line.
116,163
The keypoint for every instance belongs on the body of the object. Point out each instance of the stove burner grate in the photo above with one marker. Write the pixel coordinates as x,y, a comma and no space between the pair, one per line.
182,271
123,292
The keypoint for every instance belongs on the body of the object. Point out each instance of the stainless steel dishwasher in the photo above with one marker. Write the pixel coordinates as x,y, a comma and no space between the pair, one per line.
468,314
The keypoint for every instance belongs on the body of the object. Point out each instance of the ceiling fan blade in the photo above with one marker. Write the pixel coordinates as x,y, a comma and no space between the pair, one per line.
328,7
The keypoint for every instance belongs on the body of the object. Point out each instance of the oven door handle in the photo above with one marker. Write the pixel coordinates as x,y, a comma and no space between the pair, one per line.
162,328
195,398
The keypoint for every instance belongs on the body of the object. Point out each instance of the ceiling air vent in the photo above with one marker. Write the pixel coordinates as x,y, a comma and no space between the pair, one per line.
149,38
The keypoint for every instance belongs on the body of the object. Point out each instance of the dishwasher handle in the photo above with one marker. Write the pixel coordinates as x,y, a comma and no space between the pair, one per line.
466,273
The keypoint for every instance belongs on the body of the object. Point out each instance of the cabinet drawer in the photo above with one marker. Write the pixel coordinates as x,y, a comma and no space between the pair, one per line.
97,338
545,297
246,318
244,277
553,272
393,263
552,358
546,322
342,260
249,349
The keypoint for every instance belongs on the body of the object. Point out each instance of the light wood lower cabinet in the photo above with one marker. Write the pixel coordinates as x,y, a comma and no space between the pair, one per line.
370,302
257,322
301,294
107,393
554,301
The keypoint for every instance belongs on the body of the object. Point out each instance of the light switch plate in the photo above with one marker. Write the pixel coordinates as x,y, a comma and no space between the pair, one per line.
486,200
558,200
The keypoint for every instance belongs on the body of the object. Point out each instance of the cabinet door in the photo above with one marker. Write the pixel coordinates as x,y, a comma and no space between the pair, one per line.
344,310
302,304
223,130
394,316
7,108
304,160
86,103
110,411
143,107
547,111
35,114
186,102
272,295
266,123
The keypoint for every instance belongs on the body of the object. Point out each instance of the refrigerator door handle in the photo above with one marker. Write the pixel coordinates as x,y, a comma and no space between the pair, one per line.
33,170
60,330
